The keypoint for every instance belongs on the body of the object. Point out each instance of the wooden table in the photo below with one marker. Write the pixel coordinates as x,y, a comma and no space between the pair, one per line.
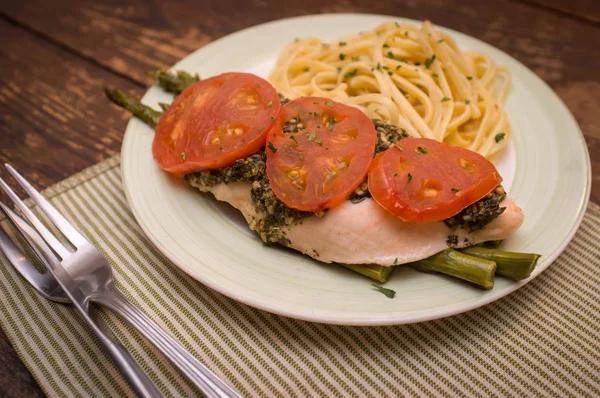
55,57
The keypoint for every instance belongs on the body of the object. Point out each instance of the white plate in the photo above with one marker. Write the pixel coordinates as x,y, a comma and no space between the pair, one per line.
547,169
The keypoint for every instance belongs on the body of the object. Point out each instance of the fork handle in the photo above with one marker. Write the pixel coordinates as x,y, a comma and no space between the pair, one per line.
138,380
198,373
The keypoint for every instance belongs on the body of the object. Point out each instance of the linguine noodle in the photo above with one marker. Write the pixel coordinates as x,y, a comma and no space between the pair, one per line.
417,79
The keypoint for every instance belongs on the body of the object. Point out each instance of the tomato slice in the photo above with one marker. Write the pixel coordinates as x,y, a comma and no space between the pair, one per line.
214,122
321,155
420,179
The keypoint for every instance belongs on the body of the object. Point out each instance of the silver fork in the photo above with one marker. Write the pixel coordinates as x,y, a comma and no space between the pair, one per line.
48,287
92,274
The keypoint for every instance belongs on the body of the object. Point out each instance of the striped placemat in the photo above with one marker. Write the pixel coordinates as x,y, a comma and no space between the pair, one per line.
542,340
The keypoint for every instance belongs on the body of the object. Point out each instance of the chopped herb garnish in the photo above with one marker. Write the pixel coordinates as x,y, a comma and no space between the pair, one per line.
312,136
398,147
319,142
396,261
445,99
339,69
342,56
293,138
351,74
422,150
315,103
390,72
390,55
306,69
261,128
397,24
467,102
329,103
378,65
386,45
398,67
342,43
435,75
395,174
409,177
356,58
182,155
455,190
417,63
441,41
389,293
469,77
499,137
273,119
270,104
406,33
429,61
272,147
257,85
331,124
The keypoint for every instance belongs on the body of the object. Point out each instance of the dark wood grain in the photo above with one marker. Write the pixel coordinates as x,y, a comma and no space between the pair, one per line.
587,10
54,118
55,56
133,36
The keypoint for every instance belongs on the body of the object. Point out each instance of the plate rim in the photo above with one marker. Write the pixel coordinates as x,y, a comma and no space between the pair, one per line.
440,313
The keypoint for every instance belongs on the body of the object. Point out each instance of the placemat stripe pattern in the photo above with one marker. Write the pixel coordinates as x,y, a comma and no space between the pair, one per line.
541,340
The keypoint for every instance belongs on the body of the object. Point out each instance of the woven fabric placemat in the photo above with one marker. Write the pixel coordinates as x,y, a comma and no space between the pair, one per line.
542,340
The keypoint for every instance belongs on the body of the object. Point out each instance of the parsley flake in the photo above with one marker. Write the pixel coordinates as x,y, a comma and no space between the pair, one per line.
409,177
329,103
272,147
312,136
378,66
306,69
315,103
357,58
422,150
441,41
398,147
257,85
396,261
261,128
429,61
182,155
469,77
331,124
389,293
351,74
395,174
342,56
455,190
445,99
273,119
270,104
319,142
499,137
435,75
293,138
390,55
342,43
386,45
398,67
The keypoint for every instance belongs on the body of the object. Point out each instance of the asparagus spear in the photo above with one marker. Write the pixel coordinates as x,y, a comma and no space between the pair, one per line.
451,262
513,265
174,82
376,272
134,105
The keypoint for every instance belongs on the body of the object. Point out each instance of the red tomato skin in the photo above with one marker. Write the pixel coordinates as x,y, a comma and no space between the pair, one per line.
327,152
418,187
198,131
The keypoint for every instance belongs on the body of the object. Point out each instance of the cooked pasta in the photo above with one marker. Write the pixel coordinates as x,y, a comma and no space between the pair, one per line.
418,79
